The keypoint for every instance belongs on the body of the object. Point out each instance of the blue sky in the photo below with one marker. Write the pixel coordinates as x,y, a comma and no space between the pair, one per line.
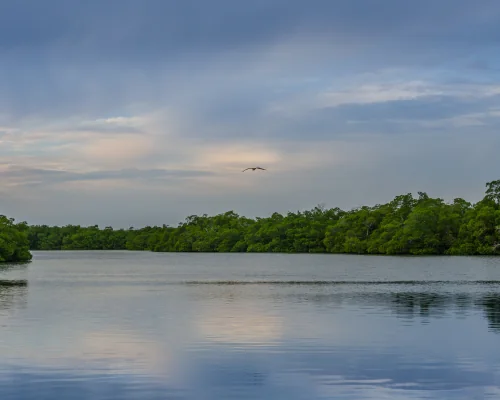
142,112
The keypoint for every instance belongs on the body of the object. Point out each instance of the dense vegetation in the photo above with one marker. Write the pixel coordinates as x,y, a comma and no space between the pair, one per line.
14,244
406,225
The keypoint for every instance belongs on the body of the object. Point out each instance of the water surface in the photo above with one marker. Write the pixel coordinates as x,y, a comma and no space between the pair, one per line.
135,325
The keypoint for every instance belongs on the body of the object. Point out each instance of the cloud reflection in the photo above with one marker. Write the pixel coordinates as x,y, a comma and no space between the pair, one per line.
261,340
240,326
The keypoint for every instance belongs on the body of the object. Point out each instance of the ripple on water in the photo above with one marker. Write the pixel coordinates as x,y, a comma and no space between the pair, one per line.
121,325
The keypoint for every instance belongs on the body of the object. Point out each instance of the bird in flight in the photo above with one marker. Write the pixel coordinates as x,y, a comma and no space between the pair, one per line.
254,168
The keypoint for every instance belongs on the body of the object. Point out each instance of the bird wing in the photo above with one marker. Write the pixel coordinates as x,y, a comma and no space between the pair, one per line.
261,168
245,169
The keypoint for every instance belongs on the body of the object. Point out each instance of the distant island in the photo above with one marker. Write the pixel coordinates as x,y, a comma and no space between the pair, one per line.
406,225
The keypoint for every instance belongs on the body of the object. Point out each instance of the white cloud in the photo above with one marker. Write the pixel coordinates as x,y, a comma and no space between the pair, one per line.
125,121
381,86
238,155
378,93
478,119
116,151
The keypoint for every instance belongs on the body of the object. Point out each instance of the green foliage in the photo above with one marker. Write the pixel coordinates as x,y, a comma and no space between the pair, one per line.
493,191
406,225
14,244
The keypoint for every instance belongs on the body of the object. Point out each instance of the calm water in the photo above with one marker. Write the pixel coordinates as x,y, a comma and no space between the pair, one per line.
126,325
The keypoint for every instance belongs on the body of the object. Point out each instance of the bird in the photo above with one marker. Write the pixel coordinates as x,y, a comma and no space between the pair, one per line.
254,168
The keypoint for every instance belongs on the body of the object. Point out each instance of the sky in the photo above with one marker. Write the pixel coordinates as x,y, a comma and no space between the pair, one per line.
133,113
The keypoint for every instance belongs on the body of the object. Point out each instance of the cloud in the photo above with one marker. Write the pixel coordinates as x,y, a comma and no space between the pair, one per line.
15,175
406,91
378,92
117,125
327,94
102,57
117,149
239,154
97,28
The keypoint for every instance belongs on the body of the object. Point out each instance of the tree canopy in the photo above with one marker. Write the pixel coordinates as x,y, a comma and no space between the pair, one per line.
406,225
14,244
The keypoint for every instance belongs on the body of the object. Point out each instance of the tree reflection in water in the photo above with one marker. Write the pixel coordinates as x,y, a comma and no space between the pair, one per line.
13,293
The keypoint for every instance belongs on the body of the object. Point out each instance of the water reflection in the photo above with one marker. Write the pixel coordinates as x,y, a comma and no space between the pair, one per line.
437,298
491,305
116,330
50,384
249,327
13,293
410,305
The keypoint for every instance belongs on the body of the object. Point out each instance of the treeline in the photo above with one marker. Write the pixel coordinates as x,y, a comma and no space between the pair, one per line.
406,225
14,244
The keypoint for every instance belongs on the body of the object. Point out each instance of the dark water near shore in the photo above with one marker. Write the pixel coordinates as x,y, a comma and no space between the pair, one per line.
126,325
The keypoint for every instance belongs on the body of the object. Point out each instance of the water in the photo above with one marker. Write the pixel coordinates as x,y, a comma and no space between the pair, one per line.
127,325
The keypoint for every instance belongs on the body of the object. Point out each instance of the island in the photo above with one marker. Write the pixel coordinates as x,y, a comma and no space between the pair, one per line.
406,225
